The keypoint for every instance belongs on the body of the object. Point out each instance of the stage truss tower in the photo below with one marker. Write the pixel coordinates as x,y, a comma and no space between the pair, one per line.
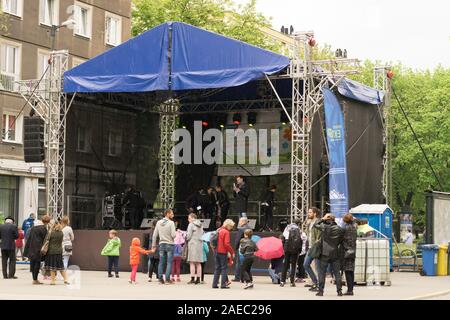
46,97
309,76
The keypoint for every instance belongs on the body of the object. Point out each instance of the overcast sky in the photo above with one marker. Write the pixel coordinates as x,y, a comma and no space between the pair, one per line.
415,32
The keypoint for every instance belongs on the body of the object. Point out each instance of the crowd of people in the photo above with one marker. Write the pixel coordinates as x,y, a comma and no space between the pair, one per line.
48,247
310,250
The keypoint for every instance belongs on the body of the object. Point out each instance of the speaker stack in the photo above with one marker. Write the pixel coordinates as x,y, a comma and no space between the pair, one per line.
33,140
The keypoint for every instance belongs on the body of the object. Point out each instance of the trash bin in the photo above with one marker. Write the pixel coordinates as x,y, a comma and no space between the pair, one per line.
429,259
448,259
442,260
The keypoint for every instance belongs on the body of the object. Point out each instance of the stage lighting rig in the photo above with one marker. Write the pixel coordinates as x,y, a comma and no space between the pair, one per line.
251,118
237,119
283,118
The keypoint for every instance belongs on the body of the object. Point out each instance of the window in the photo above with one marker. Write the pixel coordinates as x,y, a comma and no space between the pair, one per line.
48,12
11,127
9,65
9,196
83,19
43,58
114,143
113,29
77,61
83,139
14,7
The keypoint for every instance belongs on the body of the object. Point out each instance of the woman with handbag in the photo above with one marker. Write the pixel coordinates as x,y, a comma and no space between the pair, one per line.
349,252
68,237
53,251
195,248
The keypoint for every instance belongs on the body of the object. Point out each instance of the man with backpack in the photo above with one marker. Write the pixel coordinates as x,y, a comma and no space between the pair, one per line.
292,245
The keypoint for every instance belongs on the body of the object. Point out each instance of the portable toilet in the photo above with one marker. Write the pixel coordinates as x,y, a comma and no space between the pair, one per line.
379,217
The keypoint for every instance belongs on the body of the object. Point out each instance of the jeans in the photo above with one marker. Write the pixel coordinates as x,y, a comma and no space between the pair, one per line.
309,270
290,260
350,279
9,260
335,266
275,277
220,269
165,257
301,273
66,262
247,269
35,267
237,269
113,261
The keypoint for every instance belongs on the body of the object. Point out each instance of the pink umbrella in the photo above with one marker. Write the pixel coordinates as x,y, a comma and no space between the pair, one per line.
269,248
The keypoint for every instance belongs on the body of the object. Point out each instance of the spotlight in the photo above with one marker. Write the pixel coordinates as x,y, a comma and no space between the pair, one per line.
221,119
237,119
251,119
312,41
390,74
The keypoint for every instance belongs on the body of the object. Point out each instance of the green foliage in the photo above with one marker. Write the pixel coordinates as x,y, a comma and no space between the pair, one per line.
221,16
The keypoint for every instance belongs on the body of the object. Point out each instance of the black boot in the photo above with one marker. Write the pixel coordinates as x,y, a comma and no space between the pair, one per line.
192,281
197,281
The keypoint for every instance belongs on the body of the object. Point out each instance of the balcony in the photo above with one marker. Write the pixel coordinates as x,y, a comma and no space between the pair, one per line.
8,82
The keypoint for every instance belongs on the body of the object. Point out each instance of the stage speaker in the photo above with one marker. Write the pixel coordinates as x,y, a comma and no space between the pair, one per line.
146,223
33,139
252,223
111,223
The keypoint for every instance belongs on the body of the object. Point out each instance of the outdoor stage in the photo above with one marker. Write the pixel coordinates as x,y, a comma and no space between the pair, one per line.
89,243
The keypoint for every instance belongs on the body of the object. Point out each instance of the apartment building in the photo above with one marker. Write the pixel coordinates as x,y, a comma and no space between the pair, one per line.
25,45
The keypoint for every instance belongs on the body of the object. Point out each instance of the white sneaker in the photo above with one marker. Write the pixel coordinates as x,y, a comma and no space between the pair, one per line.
149,279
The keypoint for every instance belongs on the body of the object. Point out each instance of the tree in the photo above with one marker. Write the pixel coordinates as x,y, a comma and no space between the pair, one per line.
220,16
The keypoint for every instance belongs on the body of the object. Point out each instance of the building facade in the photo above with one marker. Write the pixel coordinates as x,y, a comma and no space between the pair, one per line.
90,27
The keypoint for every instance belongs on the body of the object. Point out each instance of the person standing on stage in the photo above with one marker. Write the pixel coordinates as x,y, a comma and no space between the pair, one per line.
210,207
223,204
241,193
267,208
132,202
166,233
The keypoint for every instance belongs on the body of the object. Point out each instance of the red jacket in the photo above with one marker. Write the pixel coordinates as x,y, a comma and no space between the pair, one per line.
19,240
223,242
135,251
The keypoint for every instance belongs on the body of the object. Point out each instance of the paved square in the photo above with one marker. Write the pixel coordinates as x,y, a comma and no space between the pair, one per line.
96,285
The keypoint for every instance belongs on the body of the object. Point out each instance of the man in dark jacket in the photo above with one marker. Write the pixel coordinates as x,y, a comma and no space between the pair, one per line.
33,245
332,236
28,223
267,208
242,226
8,235
241,193
223,204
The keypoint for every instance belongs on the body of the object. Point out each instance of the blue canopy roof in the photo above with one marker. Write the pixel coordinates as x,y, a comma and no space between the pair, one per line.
358,91
199,60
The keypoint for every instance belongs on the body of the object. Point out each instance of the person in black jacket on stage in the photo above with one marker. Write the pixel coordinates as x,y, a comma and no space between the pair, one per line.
267,208
222,203
241,193
8,235
133,203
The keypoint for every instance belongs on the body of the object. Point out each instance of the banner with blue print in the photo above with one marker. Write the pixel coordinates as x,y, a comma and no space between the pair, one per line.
334,119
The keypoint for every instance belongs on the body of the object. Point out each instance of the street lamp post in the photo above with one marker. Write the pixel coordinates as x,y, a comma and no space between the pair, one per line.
55,28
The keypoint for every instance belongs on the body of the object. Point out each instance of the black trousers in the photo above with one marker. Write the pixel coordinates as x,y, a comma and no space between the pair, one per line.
335,269
9,260
268,217
203,270
153,267
246,269
113,261
35,267
290,262
350,279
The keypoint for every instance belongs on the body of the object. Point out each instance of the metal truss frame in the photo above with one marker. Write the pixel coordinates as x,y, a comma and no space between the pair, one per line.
46,97
167,125
383,83
308,78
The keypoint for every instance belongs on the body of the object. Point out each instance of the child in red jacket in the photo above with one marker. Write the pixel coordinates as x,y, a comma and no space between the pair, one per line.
135,257
19,244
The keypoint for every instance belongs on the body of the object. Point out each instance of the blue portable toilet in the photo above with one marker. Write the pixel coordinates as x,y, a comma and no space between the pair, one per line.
379,217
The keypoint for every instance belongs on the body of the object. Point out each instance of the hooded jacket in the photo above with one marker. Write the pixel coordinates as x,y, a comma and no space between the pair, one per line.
195,242
112,247
164,231
136,251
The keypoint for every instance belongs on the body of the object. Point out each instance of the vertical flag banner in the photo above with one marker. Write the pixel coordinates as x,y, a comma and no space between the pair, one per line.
334,119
